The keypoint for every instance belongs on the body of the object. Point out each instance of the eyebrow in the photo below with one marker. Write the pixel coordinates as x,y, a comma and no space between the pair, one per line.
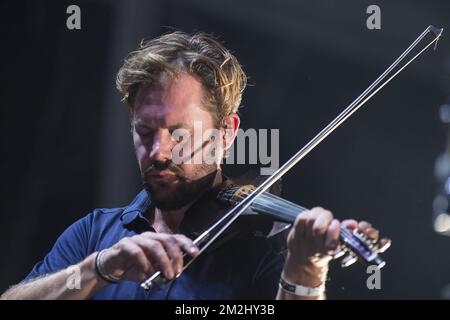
170,128
178,126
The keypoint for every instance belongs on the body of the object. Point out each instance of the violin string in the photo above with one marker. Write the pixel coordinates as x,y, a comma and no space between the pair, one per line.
270,208
276,203
292,211
285,208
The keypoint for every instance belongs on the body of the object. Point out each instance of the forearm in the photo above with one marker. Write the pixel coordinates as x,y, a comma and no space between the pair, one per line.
76,282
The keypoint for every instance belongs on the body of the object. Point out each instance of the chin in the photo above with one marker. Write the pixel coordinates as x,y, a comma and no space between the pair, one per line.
165,196
160,191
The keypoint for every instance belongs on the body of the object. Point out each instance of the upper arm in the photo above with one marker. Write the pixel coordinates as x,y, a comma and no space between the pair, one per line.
70,248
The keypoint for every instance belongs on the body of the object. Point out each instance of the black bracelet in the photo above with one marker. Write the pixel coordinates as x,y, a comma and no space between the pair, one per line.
99,269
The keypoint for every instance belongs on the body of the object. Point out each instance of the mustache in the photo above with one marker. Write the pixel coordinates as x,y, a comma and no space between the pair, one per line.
163,165
169,165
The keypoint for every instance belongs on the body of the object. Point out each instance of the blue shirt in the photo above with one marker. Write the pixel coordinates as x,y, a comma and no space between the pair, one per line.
245,267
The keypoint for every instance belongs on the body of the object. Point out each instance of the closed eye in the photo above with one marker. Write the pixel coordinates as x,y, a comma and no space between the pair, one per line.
145,133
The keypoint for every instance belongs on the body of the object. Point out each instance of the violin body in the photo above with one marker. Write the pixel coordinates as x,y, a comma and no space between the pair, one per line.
282,213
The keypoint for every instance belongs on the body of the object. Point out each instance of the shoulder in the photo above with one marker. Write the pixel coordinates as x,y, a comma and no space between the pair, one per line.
105,226
103,216
97,218
88,228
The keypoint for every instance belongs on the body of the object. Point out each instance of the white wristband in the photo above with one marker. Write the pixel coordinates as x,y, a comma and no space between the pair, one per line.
300,290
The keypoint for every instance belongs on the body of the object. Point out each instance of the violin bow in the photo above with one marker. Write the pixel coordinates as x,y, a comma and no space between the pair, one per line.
211,234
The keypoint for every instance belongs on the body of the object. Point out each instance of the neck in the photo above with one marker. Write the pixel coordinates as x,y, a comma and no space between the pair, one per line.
169,221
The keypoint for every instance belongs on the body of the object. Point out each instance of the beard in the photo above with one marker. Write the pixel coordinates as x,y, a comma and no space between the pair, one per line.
178,192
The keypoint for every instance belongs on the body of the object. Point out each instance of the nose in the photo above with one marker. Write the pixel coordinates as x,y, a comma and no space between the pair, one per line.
161,146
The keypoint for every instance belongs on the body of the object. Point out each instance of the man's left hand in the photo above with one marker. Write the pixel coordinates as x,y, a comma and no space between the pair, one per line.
312,242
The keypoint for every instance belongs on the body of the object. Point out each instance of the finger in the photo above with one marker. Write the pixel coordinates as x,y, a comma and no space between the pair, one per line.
311,219
350,224
332,237
320,228
137,259
184,242
363,226
300,225
383,245
372,234
173,251
187,245
156,252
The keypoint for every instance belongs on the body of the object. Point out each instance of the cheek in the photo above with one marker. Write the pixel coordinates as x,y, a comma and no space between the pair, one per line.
141,153
195,171
189,170
140,149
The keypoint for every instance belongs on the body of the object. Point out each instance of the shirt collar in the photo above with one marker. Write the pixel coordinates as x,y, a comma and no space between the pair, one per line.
133,217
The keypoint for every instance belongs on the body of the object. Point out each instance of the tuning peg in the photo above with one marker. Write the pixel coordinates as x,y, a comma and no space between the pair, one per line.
383,245
370,235
339,252
348,260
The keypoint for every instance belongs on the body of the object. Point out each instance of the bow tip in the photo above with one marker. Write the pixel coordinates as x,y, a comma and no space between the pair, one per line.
437,31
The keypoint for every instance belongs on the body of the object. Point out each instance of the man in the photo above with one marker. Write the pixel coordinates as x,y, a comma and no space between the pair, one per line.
172,83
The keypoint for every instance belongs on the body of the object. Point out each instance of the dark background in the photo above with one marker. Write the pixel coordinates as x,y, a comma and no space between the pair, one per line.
67,148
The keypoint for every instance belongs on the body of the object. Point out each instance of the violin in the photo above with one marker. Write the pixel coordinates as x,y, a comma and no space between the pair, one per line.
247,200
271,216
354,243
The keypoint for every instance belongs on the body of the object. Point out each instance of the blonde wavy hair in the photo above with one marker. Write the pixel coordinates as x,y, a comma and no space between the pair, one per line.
199,55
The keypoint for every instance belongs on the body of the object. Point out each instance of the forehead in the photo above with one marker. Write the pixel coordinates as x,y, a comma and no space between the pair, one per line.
170,101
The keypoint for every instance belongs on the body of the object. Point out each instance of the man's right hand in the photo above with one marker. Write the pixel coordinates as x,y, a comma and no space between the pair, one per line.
138,257
132,258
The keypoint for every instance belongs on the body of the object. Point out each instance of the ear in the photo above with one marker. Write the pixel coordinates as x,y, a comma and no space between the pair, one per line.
229,130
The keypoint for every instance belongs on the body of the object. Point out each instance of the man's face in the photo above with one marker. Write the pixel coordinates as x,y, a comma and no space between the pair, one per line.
160,109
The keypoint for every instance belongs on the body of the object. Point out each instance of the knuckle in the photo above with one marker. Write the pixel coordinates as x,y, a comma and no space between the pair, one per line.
135,238
329,214
123,244
310,221
365,224
171,240
134,252
318,230
301,219
162,236
124,240
155,246
182,238
147,234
